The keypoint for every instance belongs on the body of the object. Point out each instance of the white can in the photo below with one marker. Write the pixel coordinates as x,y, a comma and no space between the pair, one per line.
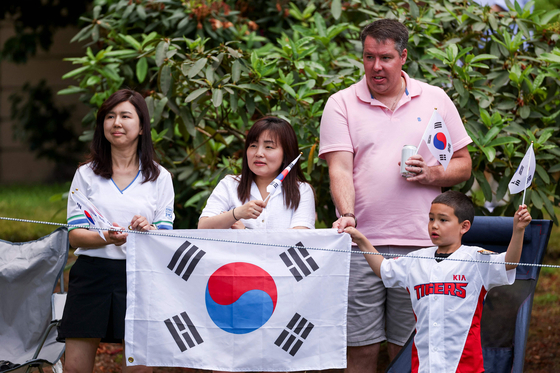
407,152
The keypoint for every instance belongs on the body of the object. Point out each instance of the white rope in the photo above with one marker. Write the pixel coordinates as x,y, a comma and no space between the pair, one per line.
163,233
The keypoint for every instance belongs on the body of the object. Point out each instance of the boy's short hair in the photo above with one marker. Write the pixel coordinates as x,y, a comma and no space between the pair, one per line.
461,204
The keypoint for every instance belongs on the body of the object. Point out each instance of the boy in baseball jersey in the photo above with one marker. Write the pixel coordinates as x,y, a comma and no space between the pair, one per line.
447,295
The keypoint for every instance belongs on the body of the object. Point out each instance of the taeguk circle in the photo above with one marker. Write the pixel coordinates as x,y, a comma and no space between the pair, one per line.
440,142
240,297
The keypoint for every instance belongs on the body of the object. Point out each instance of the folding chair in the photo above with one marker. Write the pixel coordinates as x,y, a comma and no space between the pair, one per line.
507,309
29,311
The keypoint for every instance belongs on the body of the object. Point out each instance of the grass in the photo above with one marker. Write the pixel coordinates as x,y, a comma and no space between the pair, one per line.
31,202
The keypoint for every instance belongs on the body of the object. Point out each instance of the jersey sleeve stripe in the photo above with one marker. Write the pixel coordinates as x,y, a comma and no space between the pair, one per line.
163,224
77,220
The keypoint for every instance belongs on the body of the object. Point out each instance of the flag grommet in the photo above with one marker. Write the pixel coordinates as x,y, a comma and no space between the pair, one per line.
131,359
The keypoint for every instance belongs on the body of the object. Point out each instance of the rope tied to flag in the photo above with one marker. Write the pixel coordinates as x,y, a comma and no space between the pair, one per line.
166,234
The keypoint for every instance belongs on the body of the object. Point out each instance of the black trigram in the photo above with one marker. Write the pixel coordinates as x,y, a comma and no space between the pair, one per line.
516,182
529,178
449,148
299,262
192,257
442,157
183,331
429,140
297,329
521,169
437,125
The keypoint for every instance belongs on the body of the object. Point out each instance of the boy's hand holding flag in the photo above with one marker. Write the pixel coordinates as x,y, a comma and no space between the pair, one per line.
438,140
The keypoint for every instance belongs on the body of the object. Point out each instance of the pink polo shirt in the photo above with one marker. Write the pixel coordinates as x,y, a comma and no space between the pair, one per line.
390,210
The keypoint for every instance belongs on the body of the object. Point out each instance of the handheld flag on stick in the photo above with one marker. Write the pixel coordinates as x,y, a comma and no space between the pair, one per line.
524,174
95,218
438,140
276,182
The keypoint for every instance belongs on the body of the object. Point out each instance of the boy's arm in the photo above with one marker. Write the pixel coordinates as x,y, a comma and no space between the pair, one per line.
363,243
521,220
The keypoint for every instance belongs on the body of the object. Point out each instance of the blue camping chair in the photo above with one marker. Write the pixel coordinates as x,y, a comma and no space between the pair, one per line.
507,309
29,311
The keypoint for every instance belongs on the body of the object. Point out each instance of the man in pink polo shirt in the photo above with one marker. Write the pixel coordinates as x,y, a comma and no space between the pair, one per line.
363,130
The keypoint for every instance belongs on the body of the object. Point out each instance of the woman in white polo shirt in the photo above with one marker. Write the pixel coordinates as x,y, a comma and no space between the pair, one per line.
124,182
238,200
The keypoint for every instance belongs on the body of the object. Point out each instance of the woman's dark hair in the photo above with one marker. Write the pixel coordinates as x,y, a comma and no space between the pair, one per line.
284,135
100,156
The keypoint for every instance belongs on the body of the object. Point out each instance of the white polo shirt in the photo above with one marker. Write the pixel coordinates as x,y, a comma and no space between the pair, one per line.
153,200
275,216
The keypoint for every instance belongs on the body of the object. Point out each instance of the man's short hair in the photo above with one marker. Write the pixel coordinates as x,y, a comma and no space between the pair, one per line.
461,204
387,29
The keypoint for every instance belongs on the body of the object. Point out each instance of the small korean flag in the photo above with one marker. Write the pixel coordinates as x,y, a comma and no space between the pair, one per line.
438,140
523,177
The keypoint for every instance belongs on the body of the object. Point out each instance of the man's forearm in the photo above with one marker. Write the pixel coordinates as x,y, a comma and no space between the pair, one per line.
342,190
458,170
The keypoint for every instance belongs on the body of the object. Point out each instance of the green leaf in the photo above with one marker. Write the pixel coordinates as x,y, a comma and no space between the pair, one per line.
194,95
537,201
217,96
255,87
336,9
95,33
482,57
486,189
236,71
502,187
161,51
159,111
187,120
75,72
543,174
70,90
489,152
165,79
141,12
524,111
289,89
547,203
549,15
195,69
414,11
459,87
142,69
504,140
233,98
485,116
552,169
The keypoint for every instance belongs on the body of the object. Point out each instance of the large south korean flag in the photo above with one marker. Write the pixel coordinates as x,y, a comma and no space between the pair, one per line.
198,301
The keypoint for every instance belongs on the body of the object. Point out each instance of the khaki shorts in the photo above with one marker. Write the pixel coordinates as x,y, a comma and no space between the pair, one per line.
375,313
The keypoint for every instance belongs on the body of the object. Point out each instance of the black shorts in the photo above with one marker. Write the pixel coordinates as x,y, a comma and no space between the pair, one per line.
96,302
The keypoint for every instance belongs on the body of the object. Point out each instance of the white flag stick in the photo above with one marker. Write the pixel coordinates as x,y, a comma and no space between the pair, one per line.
527,177
271,188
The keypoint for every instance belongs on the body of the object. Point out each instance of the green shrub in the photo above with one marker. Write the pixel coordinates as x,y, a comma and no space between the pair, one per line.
209,70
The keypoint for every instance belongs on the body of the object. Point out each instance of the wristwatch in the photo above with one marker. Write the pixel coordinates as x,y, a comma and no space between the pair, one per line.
349,214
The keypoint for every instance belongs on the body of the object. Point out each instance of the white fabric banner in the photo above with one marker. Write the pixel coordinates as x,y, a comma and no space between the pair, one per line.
523,176
213,305
438,140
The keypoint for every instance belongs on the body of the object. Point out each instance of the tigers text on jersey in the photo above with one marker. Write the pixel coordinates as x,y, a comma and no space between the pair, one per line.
447,299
